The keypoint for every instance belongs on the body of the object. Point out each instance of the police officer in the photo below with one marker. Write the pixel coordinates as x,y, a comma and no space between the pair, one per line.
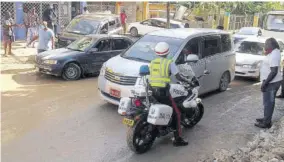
161,69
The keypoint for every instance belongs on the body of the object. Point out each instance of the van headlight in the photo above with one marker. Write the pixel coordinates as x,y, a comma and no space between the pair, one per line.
51,62
103,70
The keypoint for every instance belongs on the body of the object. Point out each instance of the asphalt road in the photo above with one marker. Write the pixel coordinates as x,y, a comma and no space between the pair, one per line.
47,119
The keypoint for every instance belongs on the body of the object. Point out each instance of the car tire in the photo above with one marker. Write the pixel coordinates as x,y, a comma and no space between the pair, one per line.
71,71
134,32
224,81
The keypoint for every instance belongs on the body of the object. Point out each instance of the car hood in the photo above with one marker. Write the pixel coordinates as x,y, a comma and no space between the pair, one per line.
248,59
58,54
70,36
124,66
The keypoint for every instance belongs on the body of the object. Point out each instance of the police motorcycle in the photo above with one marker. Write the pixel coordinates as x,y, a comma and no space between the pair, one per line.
148,119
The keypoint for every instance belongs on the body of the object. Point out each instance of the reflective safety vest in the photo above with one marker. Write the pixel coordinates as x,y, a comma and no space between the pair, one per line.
159,72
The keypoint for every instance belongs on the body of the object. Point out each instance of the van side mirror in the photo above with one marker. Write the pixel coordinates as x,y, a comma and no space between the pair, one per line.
192,58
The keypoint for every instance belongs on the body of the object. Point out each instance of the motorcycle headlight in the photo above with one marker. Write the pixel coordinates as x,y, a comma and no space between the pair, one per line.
51,62
103,69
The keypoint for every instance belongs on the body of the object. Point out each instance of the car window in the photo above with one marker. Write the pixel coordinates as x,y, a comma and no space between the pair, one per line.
111,25
159,24
226,42
211,46
147,22
81,44
247,47
174,26
143,49
105,26
82,26
192,47
118,23
120,44
103,45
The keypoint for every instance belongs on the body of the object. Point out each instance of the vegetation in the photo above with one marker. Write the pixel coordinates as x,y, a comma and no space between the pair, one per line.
239,8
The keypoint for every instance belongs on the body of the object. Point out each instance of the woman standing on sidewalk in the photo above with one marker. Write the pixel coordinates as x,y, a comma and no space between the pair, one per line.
271,77
8,33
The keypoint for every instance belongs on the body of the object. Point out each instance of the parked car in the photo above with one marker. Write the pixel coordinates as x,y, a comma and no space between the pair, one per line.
120,74
85,24
144,27
246,32
249,55
84,56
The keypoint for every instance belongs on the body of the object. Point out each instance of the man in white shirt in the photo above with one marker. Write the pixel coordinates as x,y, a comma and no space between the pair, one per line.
271,77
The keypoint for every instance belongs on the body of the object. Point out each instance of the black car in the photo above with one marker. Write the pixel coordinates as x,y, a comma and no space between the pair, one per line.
84,56
85,24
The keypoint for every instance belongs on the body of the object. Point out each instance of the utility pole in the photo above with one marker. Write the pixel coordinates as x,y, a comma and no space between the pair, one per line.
168,15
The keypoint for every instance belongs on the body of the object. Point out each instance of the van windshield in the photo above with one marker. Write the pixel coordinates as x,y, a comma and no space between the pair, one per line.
254,48
143,49
82,26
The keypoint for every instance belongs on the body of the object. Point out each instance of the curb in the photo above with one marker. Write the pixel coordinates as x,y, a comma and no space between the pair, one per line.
13,71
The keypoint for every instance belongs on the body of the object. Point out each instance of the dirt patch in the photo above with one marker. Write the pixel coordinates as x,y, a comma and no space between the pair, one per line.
266,146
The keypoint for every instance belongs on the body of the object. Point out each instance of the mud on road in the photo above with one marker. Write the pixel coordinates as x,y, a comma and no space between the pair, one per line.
47,119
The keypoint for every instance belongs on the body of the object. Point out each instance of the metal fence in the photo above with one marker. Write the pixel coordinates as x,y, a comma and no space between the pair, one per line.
8,6
239,21
101,6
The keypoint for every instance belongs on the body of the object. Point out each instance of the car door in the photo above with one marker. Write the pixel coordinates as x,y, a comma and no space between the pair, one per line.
99,54
193,46
118,45
145,27
212,57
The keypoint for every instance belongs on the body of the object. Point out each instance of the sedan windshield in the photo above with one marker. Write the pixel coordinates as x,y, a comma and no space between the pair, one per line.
248,31
246,47
143,49
82,26
81,44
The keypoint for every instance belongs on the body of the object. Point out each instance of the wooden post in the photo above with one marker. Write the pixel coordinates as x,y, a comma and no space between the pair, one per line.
168,15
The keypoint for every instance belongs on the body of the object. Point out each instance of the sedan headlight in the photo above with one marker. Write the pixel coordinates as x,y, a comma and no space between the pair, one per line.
247,66
255,65
51,62
103,69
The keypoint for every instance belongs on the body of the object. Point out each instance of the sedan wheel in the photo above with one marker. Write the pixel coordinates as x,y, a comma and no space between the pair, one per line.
134,32
71,72
224,82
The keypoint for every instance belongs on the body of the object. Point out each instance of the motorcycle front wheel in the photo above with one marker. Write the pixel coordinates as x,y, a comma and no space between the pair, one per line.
192,117
141,137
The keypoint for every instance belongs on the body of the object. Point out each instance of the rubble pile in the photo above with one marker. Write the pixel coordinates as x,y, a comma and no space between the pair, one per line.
266,146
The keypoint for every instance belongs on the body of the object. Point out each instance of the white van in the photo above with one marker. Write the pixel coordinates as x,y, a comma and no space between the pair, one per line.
120,74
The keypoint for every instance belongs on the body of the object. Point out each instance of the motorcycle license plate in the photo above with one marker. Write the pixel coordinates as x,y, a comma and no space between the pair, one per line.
128,122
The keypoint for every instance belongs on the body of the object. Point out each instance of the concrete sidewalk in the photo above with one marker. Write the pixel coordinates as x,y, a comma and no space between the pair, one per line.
21,60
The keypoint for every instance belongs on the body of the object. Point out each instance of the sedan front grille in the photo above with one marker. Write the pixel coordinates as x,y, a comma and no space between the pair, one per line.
120,79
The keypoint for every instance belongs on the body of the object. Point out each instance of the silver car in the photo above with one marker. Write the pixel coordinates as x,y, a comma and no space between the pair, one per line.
120,74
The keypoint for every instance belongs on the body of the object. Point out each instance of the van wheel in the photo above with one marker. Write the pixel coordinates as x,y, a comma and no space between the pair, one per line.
224,82
134,32
71,71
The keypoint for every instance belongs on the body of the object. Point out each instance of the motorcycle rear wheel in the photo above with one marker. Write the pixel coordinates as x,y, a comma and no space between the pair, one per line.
191,119
140,133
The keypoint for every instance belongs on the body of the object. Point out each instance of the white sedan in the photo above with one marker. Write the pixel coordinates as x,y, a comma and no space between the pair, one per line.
144,27
249,55
246,32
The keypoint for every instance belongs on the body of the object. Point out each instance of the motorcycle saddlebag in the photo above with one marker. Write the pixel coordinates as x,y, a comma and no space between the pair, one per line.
160,114
124,105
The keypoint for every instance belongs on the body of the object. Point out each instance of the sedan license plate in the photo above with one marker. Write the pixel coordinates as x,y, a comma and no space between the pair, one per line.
128,122
115,93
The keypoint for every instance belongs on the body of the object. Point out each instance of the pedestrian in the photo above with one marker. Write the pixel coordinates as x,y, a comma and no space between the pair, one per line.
48,16
271,78
33,22
45,37
123,18
186,25
85,10
55,19
282,84
26,11
8,33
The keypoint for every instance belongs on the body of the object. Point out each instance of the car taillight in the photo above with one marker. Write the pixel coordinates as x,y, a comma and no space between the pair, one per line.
137,102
